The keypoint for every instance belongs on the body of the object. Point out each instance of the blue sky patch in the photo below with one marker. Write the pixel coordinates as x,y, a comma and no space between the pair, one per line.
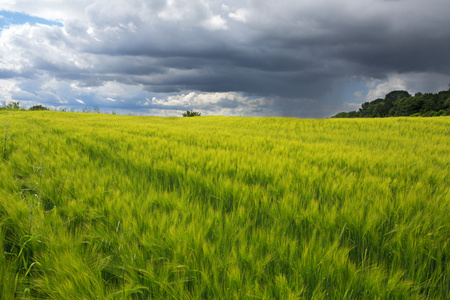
8,18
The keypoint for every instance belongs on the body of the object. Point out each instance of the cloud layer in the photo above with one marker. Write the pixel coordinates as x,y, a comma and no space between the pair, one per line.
294,58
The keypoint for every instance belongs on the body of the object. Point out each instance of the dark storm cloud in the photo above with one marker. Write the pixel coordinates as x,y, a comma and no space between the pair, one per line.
279,62
290,53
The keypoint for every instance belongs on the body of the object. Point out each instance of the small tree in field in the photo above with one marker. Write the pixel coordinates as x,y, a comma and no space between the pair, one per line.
191,114
38,107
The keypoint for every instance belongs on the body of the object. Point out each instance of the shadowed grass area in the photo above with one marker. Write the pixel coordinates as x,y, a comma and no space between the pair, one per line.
120,207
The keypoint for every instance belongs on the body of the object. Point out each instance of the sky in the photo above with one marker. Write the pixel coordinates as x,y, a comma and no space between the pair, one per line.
288,58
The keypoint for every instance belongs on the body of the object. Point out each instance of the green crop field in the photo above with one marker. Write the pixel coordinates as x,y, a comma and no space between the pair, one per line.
99,206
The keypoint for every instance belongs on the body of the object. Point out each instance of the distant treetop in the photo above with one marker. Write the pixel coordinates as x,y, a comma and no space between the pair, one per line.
191,113
401,103
38,107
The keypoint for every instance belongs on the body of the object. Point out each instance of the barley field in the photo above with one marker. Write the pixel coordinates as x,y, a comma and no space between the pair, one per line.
96,206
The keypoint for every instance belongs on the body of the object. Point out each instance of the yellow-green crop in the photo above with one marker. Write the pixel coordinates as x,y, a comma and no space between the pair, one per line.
122,207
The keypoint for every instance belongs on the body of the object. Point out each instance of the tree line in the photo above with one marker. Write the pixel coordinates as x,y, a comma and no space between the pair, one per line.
15,105
401,103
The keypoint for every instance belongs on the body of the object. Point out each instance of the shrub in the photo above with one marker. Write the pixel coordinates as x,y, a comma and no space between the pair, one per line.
191,114
38,107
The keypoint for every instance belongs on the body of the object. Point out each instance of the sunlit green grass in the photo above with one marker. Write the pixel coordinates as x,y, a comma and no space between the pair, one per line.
121,207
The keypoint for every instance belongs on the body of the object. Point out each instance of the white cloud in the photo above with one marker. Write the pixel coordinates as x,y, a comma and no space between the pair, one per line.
359,95
200,100
7,86
240,15
230,103
14,58
192,13
80,101
379,89
411,82
215,22
351,106
48,9
225,7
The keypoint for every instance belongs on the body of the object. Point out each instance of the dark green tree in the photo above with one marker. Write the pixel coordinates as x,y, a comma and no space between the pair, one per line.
191,113
401,103
363,109
38,107
395,95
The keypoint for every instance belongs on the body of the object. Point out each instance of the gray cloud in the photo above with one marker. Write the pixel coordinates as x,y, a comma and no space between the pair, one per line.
290,54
